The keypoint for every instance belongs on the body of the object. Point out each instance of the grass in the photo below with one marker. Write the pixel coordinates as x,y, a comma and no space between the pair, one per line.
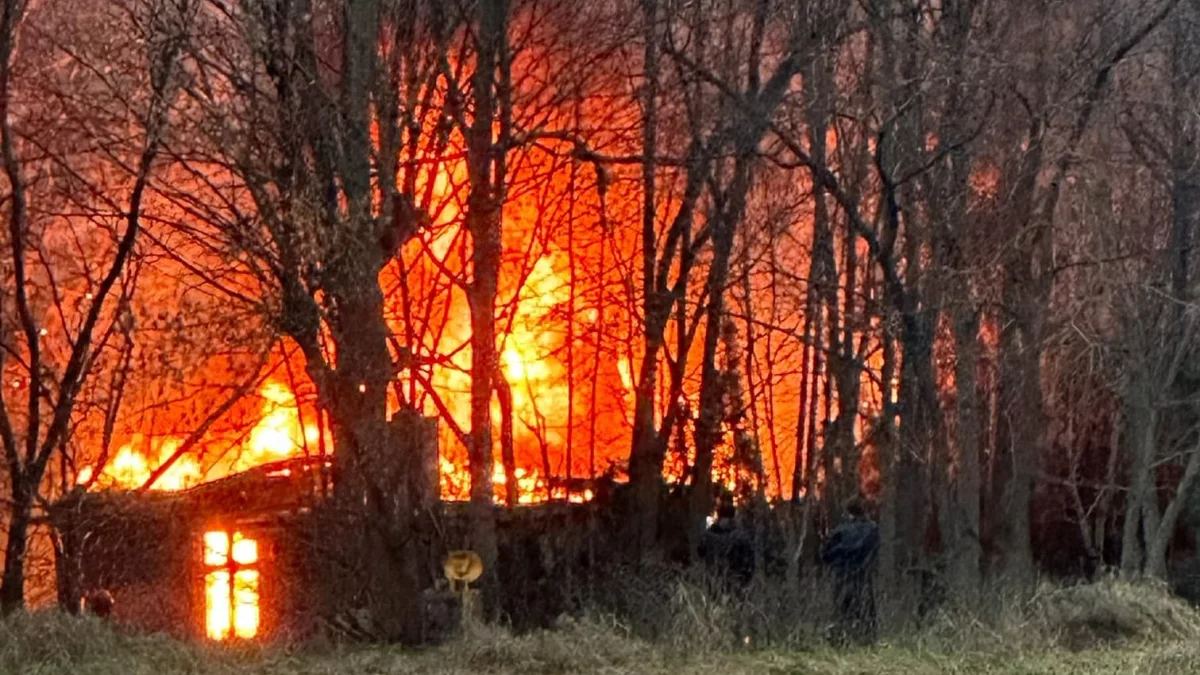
1111,627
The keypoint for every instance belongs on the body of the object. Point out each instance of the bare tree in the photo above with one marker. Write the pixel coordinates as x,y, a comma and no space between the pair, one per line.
50,378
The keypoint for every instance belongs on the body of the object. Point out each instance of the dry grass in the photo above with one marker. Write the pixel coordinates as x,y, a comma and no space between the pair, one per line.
1114,610
1156,634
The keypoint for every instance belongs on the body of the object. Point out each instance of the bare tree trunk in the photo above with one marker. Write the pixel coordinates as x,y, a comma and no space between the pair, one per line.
886,452
1158,542
769,380
823,281
965,549
67,535
647,451
848,376
1141,425
712,389
573,285
959,507
12,583
808,353
1021,424
1185,207
918,424
483,220
599,346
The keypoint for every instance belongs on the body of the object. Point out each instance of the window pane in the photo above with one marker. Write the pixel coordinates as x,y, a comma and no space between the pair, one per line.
216,600
245,551
216,548
246,611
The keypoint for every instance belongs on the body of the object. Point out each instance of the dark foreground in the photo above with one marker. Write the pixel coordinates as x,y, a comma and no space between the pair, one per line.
1124,629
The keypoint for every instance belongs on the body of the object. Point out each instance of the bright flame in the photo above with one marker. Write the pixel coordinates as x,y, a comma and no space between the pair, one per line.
529,488
626,372
277,436
246,613
129,469
236,608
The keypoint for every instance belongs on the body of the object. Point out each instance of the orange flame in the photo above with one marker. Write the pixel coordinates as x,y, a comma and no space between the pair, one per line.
531,358
277,435
130,469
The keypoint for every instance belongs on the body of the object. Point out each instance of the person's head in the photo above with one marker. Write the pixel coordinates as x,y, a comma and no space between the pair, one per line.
100,603
726,510
856,508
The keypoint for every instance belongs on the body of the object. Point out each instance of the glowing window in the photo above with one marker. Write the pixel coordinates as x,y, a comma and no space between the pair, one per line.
245,551
216,548
231,609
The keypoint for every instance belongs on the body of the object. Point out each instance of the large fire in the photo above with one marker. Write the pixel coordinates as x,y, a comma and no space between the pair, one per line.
567,352
535,356
277,435
568,342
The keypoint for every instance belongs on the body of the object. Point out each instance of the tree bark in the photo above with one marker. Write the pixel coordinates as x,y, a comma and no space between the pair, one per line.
712,389
1021,425
484,222
12,583
648,449
965,549
1159,541
68,533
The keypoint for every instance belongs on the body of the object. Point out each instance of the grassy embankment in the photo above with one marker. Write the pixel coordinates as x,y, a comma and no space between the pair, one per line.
1111,627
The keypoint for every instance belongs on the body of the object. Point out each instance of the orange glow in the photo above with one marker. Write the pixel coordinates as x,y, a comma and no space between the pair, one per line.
216,548
532,363
626,372
276,436
217,599
233,611
528,485
129,469
567,338
246,613
245,551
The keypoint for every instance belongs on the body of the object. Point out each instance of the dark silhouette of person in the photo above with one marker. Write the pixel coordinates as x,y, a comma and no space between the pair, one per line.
851,553
100,603
727,550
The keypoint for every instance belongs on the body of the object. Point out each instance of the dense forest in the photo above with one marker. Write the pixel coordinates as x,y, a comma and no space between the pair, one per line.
937,253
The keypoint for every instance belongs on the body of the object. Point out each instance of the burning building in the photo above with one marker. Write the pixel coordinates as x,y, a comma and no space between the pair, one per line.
266,554
214,561
246,556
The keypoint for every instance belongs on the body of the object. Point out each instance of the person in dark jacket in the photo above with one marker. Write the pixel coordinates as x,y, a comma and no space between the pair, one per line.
727,550
851,553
